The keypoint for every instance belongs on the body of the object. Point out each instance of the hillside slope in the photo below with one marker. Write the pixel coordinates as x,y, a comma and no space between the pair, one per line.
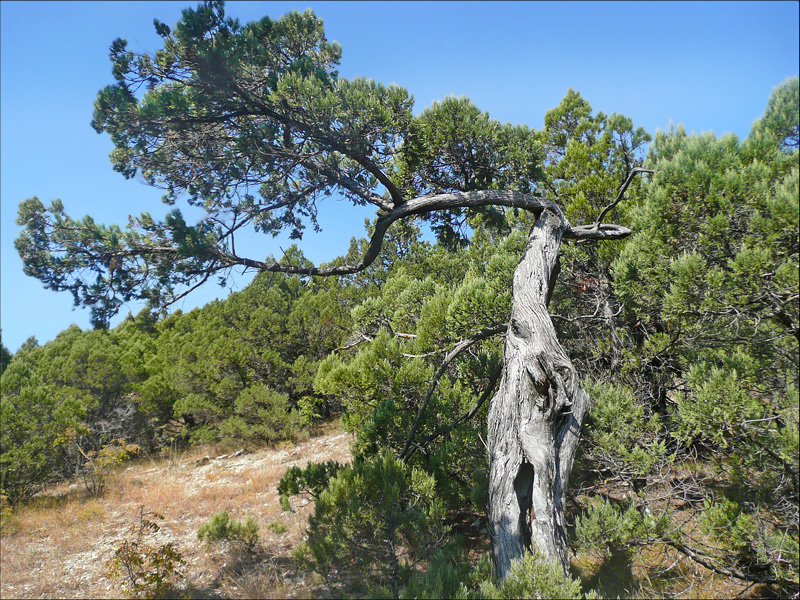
59,545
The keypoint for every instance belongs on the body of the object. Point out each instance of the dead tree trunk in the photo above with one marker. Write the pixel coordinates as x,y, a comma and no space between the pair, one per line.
536,416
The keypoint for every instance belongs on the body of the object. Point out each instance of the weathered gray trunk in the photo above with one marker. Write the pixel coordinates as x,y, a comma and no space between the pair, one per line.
536,416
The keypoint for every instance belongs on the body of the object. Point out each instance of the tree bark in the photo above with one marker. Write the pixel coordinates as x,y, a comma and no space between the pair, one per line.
536,416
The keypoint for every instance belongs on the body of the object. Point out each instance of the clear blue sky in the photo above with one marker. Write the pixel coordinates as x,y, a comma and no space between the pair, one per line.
710,66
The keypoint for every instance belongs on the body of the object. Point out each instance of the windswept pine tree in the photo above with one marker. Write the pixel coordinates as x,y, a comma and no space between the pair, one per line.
452,372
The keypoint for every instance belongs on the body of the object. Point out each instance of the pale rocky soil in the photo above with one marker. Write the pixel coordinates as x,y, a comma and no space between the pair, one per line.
59,546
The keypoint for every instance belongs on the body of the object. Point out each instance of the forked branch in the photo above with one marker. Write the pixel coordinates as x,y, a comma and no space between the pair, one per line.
452,355
620,194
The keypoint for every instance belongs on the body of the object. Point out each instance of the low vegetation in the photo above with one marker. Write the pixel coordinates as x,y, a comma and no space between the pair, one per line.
144,569
62,542
238,536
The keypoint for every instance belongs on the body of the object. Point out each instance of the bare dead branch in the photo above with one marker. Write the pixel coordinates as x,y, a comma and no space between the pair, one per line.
709,564
597,232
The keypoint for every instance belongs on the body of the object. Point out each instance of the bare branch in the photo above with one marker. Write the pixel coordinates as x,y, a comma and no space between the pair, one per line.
620,194
709,564
190,290
597,232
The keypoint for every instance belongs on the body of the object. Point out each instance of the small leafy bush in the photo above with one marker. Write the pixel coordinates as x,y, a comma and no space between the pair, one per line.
277,527
6,511
99,463
146,570
445,571
604,526
730,525
234,535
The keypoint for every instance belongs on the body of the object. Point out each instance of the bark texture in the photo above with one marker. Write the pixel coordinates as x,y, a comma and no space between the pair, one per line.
536,416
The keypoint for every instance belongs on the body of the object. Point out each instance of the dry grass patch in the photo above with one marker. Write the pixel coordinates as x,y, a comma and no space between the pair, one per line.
59,544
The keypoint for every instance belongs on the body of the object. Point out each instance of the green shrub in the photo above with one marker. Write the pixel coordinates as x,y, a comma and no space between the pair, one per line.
376,522
442,577
262,415
532,577
603,526
6,512
312,480
731,526
277,527
33,417
235,535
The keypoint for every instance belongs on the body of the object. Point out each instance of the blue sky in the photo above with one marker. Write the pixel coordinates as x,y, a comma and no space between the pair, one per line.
710,66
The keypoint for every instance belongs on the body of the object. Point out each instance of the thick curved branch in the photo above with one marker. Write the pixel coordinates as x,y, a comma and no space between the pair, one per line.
454,353
595,232
432,203
416,206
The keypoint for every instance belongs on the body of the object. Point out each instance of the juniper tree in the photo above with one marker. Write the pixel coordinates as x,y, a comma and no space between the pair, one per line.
253,124
710,280
5,355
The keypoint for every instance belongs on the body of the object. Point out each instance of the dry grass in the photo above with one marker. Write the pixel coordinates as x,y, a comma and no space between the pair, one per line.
60,543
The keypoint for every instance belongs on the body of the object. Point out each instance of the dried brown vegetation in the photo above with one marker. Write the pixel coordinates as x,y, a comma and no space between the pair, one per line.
59,544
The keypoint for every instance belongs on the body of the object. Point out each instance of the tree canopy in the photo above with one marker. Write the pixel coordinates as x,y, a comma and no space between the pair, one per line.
253,123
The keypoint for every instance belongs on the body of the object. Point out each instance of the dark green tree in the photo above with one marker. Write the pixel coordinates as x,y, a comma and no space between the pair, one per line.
67,399
253,124
5,355
35,417
707,347
216,360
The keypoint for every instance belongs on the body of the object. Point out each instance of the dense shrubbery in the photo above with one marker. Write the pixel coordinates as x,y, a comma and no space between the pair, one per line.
236,369
376,522
67,400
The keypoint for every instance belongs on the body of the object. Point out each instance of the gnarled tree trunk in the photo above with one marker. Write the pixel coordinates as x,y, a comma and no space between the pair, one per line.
536,416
